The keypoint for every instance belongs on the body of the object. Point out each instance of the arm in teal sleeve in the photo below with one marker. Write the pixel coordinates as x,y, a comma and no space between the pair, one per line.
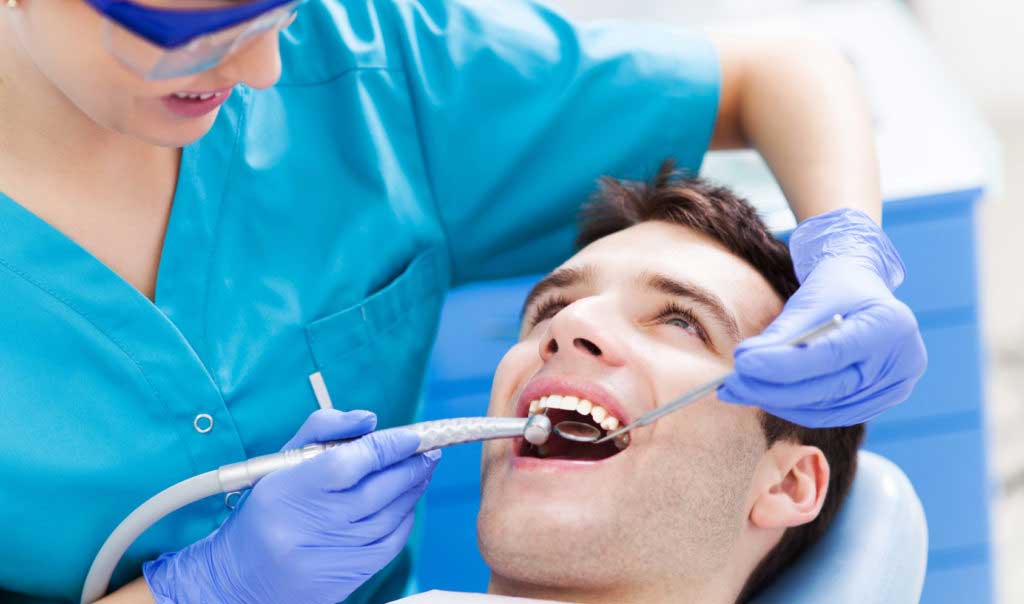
520,111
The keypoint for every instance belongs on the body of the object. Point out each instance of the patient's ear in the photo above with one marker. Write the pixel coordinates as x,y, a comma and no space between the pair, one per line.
790,485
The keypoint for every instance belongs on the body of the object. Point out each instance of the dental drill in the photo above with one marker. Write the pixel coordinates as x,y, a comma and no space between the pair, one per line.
244,474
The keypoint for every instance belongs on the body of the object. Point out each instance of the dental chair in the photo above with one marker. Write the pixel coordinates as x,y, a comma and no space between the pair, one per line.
875,552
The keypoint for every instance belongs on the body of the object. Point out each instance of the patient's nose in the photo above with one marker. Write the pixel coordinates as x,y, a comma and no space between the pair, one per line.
587,345
577,331
583,344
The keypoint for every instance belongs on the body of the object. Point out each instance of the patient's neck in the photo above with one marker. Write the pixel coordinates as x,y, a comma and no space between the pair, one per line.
648,592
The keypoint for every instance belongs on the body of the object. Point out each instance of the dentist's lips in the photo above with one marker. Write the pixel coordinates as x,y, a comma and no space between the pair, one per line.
196,104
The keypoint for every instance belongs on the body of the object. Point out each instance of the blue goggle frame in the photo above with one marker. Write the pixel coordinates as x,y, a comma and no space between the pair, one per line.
172,28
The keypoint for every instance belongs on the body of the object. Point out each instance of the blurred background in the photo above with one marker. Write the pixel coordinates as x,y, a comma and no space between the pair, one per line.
975,56
945,80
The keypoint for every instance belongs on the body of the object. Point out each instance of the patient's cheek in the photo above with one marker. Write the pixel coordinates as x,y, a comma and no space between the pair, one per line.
711,452
513,372
712,426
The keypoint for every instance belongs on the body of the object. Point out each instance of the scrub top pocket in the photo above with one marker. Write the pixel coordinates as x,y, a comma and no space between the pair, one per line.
389,333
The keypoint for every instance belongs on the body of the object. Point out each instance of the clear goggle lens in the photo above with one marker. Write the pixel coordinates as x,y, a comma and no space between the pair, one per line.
200,54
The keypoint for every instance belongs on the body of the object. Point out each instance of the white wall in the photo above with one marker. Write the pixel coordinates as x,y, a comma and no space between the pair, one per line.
982,42
687,12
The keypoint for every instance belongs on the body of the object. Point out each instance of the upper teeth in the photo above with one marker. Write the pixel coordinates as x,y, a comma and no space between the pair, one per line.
599,414
196,97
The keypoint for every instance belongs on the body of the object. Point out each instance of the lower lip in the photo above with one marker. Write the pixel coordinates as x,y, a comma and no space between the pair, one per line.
536,464
193,108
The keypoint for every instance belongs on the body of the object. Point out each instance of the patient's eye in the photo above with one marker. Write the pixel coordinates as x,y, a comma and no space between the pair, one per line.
547,308
679,322
677,316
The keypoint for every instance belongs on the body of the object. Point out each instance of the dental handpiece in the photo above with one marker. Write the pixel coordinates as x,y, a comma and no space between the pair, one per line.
433,435
235,477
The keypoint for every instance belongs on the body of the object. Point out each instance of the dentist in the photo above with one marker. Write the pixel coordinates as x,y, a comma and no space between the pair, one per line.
218,215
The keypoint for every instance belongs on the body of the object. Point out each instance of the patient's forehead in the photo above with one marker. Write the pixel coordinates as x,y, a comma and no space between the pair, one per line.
682,253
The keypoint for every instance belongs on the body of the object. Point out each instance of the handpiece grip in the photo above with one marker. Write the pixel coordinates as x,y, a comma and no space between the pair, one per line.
447,432
433,435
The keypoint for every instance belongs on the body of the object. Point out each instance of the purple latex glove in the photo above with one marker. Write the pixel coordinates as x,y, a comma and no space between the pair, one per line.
846,265
310,533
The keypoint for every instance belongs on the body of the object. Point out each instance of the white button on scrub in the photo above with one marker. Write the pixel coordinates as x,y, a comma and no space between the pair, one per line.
203,423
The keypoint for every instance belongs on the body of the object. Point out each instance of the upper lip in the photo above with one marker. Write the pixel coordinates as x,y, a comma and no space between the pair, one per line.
572,386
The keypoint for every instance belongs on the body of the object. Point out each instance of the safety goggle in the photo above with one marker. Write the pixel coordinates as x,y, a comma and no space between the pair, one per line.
196,35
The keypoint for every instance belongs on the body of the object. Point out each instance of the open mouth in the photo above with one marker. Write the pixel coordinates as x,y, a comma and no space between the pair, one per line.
560,408
195,104
195,96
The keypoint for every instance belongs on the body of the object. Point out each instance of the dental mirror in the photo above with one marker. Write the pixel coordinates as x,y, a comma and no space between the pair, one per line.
585,433
577,431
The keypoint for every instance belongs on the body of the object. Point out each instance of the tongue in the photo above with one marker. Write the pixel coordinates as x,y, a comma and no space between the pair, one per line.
560,448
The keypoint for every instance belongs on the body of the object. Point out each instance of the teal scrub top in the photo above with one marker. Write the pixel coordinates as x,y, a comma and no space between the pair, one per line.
410,146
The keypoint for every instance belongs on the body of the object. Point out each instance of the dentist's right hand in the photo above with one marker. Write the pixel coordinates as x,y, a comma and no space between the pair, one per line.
312,533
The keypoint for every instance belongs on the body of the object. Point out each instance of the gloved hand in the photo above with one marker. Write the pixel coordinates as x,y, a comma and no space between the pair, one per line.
846,265
311,533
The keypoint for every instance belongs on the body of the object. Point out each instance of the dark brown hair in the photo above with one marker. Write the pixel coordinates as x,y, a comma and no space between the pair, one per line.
720,214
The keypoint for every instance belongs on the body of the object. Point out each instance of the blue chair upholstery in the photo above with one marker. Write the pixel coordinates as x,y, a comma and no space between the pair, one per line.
875,552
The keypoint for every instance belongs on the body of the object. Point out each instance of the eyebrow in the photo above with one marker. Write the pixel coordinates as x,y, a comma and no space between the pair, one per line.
700,295
562,278
565,278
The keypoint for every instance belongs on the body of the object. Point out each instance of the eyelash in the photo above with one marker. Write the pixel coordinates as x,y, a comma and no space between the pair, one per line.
671,310
549,307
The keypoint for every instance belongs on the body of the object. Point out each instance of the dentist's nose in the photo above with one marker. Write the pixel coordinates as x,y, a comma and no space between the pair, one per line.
578,331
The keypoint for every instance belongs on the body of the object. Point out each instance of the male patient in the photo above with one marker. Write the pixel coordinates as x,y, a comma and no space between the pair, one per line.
710,503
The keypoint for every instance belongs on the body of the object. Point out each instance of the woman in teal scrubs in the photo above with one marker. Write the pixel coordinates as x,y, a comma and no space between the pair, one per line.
202,242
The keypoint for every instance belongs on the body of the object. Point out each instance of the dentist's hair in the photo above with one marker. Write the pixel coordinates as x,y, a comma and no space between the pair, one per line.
721,215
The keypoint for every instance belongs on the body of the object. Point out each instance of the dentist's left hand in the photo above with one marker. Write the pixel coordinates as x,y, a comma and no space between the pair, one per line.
847,266
312,533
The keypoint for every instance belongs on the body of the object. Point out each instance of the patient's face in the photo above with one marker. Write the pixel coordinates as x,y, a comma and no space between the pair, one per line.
629,323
